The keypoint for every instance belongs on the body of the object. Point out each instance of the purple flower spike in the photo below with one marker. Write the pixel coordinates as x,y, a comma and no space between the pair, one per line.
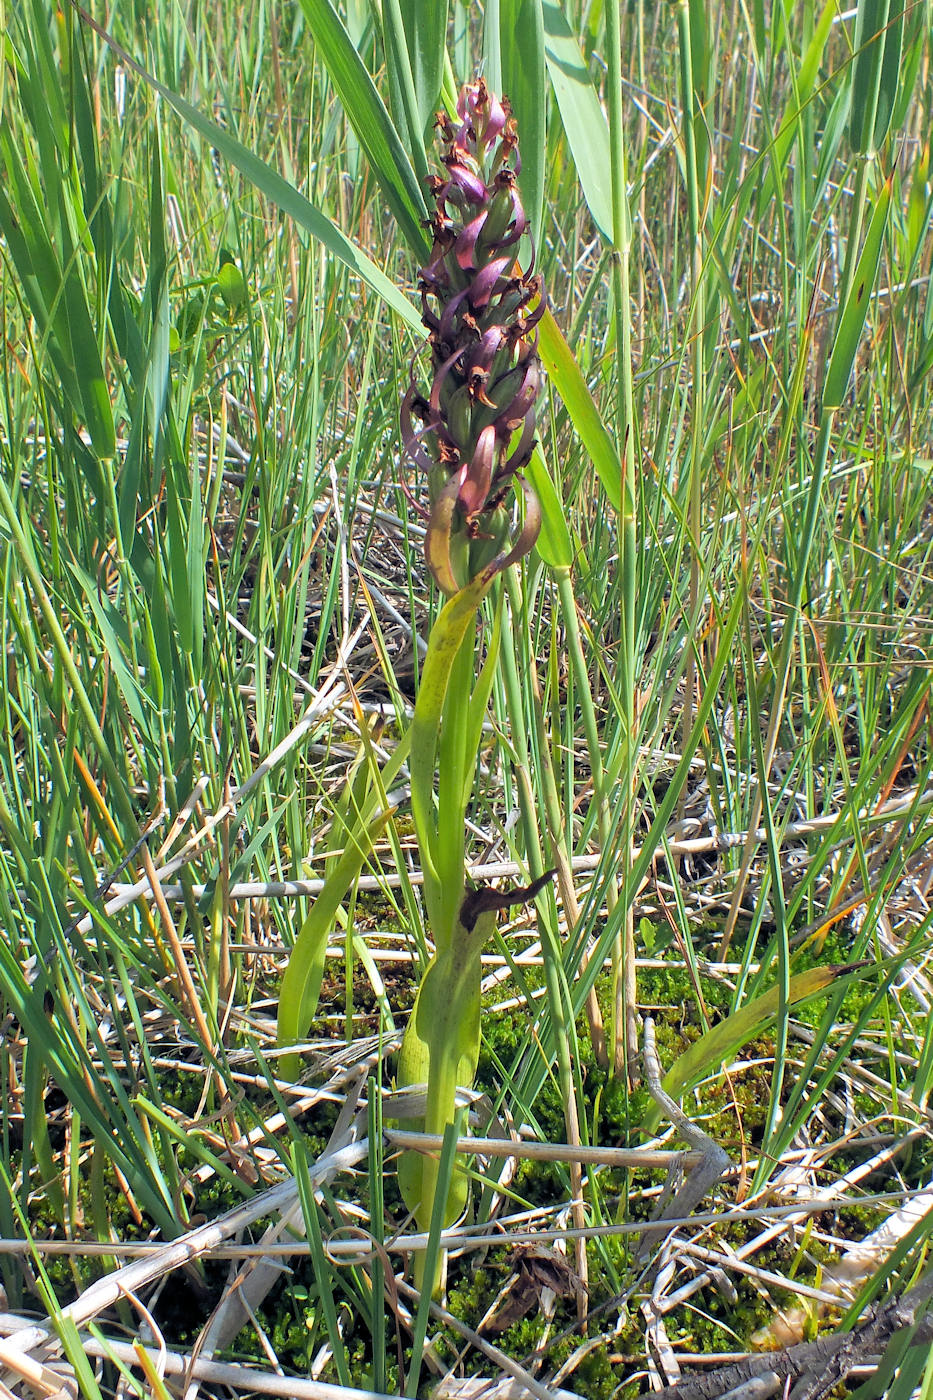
480,310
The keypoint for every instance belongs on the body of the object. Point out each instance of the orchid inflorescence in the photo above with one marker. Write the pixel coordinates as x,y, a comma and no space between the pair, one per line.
474,431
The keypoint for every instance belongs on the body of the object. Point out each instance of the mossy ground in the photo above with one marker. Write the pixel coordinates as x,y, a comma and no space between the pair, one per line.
733,1111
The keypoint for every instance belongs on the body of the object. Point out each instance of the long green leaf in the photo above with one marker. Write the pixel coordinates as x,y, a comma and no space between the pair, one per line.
68,1065
402,90
564,373
804,86
113,631
725,1039
554,543
447,634
301,983
425,24
521,28
58,300
580,112
852,318
94,397
879,31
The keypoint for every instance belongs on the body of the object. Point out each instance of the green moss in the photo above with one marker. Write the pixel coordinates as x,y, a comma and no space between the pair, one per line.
593,1376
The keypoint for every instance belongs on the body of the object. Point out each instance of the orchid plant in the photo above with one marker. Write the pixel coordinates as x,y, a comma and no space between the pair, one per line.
471,432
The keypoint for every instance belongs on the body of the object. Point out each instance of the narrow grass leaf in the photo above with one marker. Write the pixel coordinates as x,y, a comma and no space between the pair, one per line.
374,128
425,24
429,1261
554,544
37,1147
59,303
492,48
804,85
157,1387
113,631
176,517
323,1270
403,94
95,407
74,1079
852,318
879,31
301,984
478,706
917,1236
900,1369
376,1169
194,555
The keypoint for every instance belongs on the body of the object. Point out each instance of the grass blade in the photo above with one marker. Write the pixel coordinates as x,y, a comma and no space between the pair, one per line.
521,31
564,373
855,310
722,1042
581,113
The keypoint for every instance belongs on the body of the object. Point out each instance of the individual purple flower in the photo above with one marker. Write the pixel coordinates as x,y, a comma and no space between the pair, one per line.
474,430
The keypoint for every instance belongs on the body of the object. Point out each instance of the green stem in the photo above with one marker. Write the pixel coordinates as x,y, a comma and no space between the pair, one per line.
431,708
118,791
451,1031
518,729
442,1044
453,761
697,318
558,992
584,696
782,670
625,1018
859,200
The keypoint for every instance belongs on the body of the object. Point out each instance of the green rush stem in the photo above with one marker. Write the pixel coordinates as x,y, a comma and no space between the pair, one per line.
117,788
782,670
558,992
785,656
625,998
766,757
453,761
553,967
859,200
519,732
584,697
588,712
697,319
